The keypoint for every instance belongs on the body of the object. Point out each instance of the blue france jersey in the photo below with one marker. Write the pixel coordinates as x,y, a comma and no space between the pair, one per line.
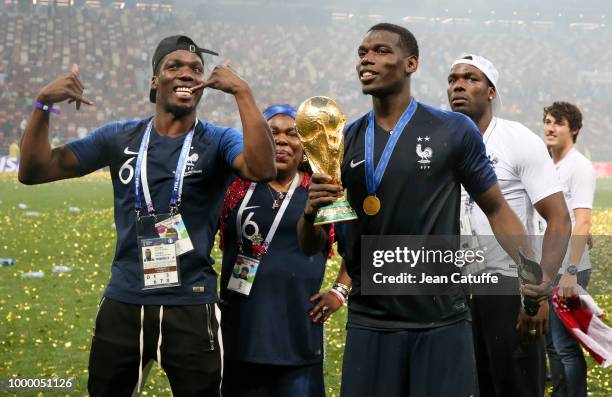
271,325
420,191
207,175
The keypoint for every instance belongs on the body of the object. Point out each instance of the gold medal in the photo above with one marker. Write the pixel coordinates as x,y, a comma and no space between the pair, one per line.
371,205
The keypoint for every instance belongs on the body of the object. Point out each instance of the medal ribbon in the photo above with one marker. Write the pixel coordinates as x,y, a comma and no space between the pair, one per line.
373,178
277,218
141,172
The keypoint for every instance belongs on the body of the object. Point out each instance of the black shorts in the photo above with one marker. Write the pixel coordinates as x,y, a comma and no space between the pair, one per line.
191,348
434,362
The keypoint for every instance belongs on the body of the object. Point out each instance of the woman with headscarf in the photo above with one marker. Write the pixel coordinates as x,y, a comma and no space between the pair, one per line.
272,347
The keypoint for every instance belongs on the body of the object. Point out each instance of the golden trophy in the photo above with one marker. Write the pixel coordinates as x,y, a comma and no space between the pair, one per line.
319,123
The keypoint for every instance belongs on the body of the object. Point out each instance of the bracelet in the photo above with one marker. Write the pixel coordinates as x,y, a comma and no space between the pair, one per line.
310,218
46,108
338,295
341,291
342,288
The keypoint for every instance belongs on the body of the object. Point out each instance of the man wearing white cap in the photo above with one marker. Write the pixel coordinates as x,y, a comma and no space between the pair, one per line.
508,342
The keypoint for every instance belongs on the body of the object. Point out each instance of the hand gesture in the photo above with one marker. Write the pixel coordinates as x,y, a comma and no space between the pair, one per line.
223,78
326,305
67,87
321,193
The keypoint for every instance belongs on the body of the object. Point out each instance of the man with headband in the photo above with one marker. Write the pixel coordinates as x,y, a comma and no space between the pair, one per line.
404,163
509,343
169,172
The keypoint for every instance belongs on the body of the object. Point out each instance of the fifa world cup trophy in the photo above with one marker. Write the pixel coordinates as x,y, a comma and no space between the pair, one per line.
320,126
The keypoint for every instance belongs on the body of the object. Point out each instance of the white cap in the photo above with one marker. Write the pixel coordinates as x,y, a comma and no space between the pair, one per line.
486,67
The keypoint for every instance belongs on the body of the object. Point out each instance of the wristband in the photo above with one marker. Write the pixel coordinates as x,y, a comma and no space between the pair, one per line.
46,108
336,294
309,217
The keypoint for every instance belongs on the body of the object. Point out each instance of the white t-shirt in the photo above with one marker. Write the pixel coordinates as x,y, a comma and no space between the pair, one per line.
526,175
578,179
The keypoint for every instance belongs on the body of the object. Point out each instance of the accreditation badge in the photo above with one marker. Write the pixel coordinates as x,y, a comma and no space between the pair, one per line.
175,227
243,275
465,226
159,262
469,239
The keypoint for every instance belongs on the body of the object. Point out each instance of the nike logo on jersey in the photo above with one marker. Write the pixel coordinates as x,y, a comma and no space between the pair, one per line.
254,206
353,164
128,151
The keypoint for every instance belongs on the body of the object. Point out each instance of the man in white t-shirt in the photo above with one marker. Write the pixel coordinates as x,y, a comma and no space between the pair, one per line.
562,123
509,344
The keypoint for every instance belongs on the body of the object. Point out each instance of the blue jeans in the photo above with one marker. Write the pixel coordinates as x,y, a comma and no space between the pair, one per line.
572,382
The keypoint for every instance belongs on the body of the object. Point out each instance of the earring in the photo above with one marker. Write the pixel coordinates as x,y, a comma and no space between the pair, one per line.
304,158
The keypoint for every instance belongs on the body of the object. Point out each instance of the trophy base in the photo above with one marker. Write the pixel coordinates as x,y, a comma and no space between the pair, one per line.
338,211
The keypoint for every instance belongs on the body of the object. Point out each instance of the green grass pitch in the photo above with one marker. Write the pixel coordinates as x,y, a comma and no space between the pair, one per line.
46,324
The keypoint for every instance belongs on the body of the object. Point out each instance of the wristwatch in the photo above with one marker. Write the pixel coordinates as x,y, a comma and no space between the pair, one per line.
572,270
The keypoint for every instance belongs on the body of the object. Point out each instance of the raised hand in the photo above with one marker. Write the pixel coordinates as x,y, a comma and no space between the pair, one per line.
321,192
66,87
223,78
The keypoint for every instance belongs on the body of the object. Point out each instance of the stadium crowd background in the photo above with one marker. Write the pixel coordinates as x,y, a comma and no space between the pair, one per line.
288,53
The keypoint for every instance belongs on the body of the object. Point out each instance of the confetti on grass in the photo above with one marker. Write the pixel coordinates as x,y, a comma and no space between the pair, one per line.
47,323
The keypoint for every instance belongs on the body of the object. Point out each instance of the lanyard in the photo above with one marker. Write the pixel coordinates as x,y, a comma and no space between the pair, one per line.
279,214
141,172
373,178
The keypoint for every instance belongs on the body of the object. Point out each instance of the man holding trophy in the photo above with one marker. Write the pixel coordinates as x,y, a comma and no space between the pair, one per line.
402,167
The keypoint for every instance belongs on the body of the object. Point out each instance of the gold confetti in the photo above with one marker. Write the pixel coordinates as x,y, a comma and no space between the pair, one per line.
61,308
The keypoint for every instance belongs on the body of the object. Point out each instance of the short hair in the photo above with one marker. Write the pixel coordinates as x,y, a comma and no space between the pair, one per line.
407,40
565,110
